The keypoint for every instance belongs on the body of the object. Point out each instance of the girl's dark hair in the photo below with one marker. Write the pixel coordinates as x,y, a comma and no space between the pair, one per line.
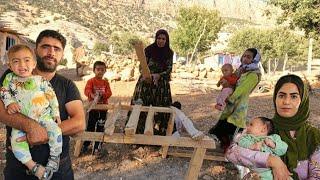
253,50
99,63
269,124
176,104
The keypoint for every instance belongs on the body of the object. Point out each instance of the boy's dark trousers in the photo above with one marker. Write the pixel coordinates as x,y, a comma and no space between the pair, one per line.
96,121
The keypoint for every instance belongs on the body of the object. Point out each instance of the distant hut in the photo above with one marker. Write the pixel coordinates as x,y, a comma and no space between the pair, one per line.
10,37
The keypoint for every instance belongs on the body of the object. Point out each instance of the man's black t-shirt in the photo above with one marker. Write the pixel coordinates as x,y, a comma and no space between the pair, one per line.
66,91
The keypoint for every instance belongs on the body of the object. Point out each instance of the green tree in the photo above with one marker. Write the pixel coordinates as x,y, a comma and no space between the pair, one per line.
302,14
121,42
197,29
100,47
273,43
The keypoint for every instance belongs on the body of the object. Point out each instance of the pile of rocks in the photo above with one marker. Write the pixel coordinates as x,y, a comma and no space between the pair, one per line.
121,68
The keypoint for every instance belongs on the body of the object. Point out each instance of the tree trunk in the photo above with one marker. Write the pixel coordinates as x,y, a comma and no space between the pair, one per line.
309,56
261,69
202,33
275,65
269,66
285,62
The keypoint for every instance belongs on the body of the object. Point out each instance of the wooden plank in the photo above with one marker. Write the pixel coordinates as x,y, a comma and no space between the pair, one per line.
145,71
217,157
195,164
165,149
207,143
103,106
77,148
130,108
132,124
148,130
110,123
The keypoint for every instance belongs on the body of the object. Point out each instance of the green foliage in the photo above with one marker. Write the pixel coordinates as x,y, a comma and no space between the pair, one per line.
191,22
316,49
273,43
121,42
302,14
100,47
63,62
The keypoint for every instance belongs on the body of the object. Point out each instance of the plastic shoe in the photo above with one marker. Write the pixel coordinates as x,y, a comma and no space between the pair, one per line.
53,163
48,173
198,136
214,137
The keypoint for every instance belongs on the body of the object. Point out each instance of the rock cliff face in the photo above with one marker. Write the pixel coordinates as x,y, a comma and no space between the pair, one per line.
88,21
104,17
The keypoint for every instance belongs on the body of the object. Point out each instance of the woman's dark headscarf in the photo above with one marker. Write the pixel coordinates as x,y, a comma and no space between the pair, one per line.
160,54
307,137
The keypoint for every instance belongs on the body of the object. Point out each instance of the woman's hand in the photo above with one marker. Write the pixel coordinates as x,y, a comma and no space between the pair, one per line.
279,169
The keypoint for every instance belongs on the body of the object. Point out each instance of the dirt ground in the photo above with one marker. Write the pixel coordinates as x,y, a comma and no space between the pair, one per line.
132,162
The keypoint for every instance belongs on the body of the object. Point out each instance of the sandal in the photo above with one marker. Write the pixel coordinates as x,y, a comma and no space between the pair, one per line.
53,163
47,175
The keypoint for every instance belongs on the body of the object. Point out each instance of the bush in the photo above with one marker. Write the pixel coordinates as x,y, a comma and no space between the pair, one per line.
63,62
122,42
100,47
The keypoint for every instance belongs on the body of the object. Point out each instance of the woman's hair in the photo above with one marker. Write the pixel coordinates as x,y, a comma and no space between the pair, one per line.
291,78
269,124
253,50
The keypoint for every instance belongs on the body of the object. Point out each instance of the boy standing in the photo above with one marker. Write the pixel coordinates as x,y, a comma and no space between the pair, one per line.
99,89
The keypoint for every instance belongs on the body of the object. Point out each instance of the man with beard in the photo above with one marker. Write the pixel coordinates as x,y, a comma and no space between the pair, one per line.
49,52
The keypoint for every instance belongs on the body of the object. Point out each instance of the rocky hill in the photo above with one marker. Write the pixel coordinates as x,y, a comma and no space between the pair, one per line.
104,17
89,21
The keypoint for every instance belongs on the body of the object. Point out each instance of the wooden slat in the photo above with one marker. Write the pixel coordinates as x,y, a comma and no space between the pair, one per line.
143,139
130,108
148,130
216,157
195,164
77,148
132,124
110,123
145,71
165,149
